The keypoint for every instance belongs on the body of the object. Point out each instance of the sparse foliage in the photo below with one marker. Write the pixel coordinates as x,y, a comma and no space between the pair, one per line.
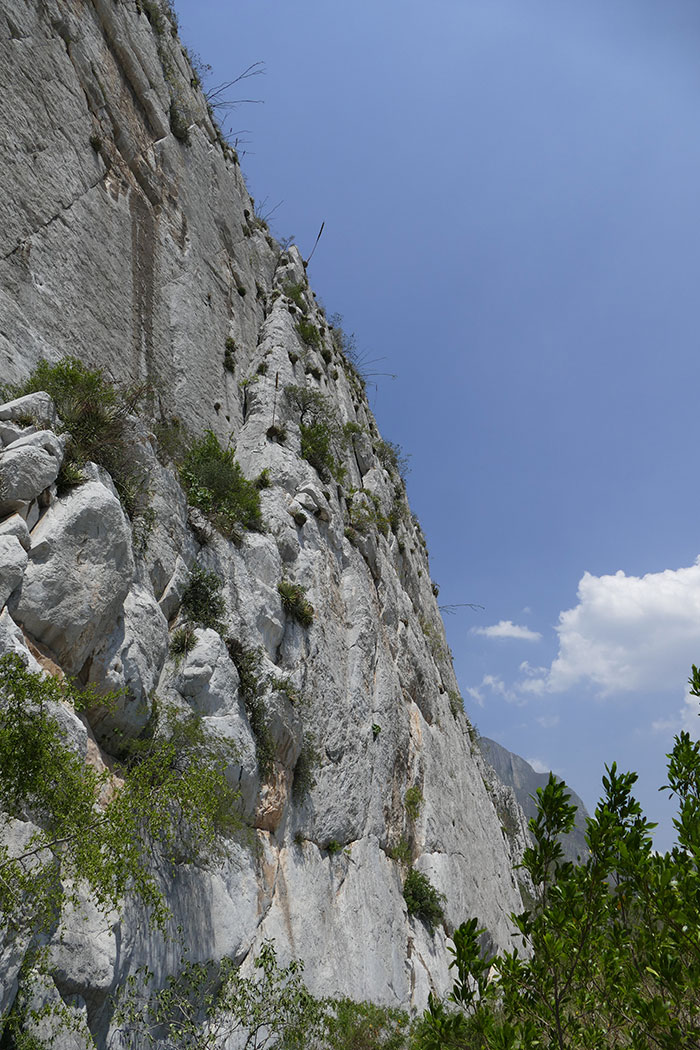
95,414
90,830
295,602
422,899
215,483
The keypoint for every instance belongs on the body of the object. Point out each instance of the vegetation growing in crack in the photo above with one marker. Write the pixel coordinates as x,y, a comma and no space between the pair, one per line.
248,663
305,769
202,602
322,440
95,414
456,702
364,512
215,483
309,333
413,800
294,290
423,900
295,602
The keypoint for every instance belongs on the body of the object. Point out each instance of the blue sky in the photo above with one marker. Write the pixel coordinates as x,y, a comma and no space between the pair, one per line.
511,193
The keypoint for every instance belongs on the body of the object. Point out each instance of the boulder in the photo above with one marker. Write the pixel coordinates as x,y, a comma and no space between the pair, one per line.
15,525
38,406
79,573
13,562
25,471
130,660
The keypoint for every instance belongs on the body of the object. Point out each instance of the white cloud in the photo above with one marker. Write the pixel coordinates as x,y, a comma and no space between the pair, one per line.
686,719
508,629
627,633
495,685
537,765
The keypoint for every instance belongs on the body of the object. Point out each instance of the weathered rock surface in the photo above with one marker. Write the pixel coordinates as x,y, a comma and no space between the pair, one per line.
13,562
79,572
140,253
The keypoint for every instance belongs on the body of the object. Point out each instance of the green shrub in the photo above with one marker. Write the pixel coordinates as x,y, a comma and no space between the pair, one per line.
413,800
322,438
364,512
309,333
172,802
214,483
276,433
203,601
317,449
613,956
401,852
422,899
305,769
183,641
392,458
333,847
350,429
286,685
295,602
295,292
456,702
229,355
365,1026
248,662
179,124
95,413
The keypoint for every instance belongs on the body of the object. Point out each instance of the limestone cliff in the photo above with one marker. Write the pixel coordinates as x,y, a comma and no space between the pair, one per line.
128,240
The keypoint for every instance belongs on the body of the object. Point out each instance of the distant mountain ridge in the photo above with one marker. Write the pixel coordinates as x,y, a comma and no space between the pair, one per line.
524,780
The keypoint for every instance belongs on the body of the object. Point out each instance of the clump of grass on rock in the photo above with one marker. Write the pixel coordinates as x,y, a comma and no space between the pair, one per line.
95,412
216,485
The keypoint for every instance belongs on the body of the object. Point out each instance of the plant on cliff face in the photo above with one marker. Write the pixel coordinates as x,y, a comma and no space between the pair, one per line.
95,414
422,899
214,483
305,769
248,664
202,601
392,458
309,333
322,438
456,702
295,291
91,830
295,602
413,800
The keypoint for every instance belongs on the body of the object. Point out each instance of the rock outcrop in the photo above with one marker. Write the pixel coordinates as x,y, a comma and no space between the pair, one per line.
128,240
519,775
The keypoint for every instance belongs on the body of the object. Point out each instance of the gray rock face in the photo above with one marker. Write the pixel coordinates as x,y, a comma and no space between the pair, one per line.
78,575
13,562
25,471
519,774
38,407
354,709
